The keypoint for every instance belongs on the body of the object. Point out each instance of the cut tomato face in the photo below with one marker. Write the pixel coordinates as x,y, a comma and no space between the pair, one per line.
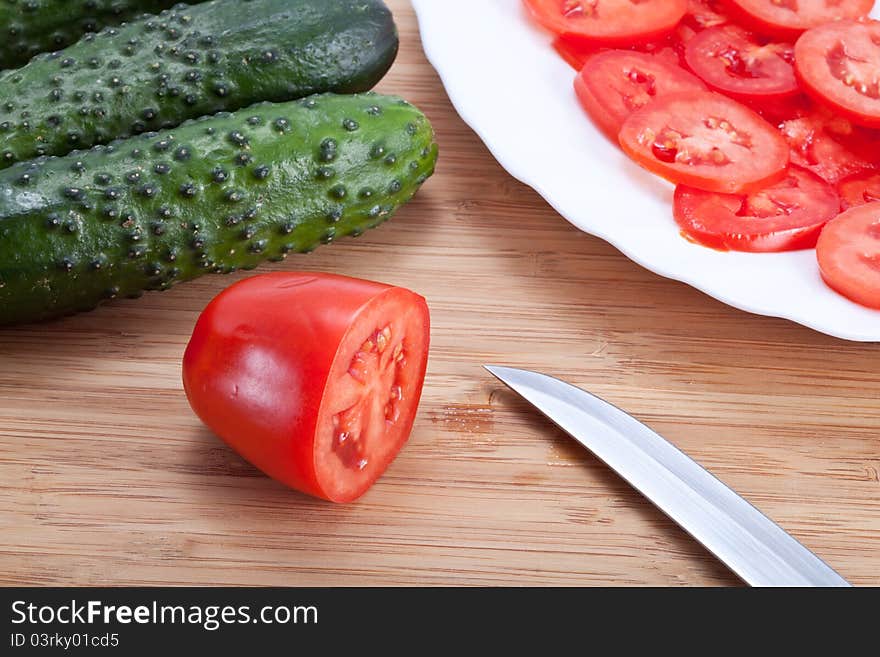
785,216
831,147
859,189
788,18
609,22
743,65
313,378
839,67
703,14
614,84
707,141
849,254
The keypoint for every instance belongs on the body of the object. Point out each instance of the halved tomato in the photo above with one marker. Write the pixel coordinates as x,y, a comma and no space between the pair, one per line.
785,216
314,378
610,22
705,140
614,84
788,18
829,146
849,254
859,189
839,66
743,65
703,14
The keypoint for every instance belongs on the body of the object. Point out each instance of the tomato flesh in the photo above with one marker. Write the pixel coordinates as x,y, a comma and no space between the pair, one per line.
785,216
577,53
859,189
313,378
839,67
776,111
789,18
849,254
375,374
742,65
369,402
610,22
831,147
707,141
703,14
614,84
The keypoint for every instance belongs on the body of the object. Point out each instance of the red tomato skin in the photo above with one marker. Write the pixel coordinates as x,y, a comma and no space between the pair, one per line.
257,365
806,45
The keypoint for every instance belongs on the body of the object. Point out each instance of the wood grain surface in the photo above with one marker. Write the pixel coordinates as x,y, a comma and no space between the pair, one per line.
106,476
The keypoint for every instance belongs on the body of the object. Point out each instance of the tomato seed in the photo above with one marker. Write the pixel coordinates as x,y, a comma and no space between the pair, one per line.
665,151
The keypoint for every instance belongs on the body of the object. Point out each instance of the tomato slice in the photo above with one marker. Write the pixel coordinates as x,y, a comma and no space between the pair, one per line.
788,18
839,66
616,83
743,65
831,147
849,254
576,53
707,141
314,378
859,189
785,216
703,14
779,110
610,22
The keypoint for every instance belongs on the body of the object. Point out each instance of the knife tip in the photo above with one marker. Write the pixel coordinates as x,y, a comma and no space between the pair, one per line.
502,372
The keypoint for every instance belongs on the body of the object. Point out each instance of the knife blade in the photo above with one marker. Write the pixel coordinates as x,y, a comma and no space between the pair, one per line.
753,546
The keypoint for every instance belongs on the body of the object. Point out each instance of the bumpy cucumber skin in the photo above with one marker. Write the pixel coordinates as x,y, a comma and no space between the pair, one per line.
214,195
157,72
30,27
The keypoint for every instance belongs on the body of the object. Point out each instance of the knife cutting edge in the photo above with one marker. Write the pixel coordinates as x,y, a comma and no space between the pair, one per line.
748,542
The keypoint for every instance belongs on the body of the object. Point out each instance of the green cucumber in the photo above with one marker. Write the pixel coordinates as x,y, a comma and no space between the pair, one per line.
157,72
216,194
34,26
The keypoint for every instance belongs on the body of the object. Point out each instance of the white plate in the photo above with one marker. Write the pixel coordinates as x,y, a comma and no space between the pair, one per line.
515,92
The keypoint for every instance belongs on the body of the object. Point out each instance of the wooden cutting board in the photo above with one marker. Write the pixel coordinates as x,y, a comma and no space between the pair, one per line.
106,476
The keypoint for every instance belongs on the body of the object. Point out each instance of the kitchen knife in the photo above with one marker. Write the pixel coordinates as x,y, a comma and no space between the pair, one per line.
743,538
